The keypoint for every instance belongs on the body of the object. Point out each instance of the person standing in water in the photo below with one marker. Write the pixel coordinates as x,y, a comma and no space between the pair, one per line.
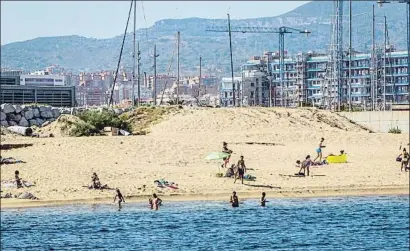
155,202
234,200
319,150
119,196
241,167
263,199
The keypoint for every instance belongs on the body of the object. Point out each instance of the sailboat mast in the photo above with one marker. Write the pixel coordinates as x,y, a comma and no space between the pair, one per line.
178,41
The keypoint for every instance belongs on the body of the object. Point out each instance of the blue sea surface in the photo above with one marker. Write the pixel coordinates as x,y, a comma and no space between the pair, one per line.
343,223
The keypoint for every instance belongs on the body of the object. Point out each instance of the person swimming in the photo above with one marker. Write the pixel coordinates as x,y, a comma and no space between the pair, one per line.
155,202
319,150
234,200
263,199
119,196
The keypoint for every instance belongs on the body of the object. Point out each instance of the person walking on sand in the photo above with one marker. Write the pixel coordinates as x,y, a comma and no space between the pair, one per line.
228,151
241,167
404,160
319,150
155,202
119,196
263,199
234,200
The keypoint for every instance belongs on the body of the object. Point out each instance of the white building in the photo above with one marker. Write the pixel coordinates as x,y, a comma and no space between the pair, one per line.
226,91
39,79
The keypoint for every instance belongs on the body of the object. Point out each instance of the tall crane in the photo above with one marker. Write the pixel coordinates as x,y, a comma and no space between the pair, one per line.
281,31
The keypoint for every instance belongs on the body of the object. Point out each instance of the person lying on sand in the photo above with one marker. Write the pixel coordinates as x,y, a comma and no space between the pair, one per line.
119,196
234,200
241,167
304,165
228,151
319,150
341,153
155,202
404,160
263,199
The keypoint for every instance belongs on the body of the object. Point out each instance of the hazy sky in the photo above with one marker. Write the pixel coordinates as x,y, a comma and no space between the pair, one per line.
104,19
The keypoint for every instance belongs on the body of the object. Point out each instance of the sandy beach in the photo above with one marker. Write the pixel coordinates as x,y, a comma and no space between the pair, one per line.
271,141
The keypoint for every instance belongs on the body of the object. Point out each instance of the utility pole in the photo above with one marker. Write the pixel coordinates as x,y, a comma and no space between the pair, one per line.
133,54
200,76
230,48
154,86
384,63
372,87
139,77
178,42
349,92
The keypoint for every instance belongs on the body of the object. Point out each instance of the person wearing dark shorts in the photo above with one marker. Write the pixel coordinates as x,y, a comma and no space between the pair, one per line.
241,169
234,200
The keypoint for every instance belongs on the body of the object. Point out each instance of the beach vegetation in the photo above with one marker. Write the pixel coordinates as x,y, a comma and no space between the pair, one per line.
395,130
104,118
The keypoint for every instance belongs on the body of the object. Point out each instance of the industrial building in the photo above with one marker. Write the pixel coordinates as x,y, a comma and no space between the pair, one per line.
40,87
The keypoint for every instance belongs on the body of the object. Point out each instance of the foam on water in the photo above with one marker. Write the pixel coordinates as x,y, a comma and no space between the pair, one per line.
344,223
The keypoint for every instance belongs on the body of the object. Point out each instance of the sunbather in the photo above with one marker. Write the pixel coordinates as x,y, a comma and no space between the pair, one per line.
96,184
231,171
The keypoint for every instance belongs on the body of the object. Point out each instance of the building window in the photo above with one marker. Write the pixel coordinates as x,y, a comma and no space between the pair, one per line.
252,84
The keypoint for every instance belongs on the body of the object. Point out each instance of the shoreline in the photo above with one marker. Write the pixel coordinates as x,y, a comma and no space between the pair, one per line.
308,193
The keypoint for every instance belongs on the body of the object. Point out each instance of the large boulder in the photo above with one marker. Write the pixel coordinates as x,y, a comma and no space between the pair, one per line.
11,116
45,109
3,116
7,108
56,113
46,114
18,109
28,114
4,123
33,122
24,122
18,118
39,121
36,113
12,123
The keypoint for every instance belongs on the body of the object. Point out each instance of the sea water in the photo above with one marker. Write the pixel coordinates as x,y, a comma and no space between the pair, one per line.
344,223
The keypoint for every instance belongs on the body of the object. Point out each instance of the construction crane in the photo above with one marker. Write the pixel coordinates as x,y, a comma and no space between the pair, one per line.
281,31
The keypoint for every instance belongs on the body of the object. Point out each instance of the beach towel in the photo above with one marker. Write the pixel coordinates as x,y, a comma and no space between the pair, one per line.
249,177
13,184
164,183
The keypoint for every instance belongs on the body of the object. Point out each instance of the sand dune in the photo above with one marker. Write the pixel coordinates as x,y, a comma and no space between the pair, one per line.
176,148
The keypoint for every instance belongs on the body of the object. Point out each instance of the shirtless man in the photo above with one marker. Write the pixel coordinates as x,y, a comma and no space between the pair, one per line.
19,182
319,150
155,202
263,199
241,167
119,196
234,200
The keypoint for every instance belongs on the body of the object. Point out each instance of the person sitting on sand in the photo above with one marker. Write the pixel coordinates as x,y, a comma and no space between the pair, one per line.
319,150
231,171
19,182
241,167
234,200
96,184
228,151
305,165
119,196
404,160
155,202
263,199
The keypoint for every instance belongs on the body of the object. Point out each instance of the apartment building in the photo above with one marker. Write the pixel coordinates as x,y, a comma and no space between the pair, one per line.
226,91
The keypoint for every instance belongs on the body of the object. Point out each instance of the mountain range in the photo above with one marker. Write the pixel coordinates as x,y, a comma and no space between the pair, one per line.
77,53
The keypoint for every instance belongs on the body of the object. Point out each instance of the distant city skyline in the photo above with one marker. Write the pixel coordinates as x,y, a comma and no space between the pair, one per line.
25,20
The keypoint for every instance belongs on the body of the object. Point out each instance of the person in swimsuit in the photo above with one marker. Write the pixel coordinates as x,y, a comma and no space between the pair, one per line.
241,169
228,151
263,199
19,182
404,160
234,200
319,150
155,202
95,181
119,196
305,165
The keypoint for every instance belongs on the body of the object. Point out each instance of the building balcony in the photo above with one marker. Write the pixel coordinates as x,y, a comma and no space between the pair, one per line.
315,69
314,87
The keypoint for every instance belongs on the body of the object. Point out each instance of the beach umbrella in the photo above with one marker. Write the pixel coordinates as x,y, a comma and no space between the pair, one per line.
217,156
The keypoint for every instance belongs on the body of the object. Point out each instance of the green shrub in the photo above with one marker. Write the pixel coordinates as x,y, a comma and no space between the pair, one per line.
82,128
101,119
395,130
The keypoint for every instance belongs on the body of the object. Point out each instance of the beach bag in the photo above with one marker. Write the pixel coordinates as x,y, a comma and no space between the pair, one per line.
398,159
